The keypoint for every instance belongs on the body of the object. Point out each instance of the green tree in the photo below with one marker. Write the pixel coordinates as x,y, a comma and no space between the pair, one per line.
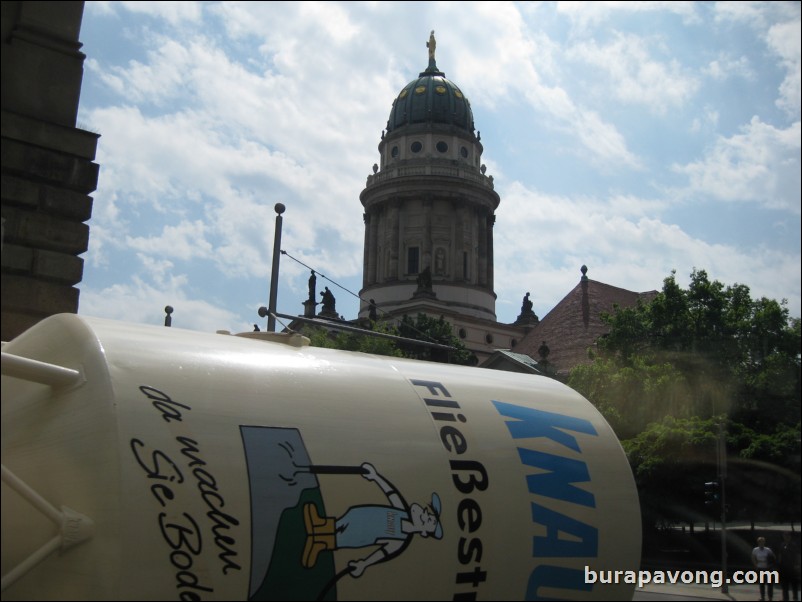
673,458
433,330
671,369
702,351
352,341
632,395
424,328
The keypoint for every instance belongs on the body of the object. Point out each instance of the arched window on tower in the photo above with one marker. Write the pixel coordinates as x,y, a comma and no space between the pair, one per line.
413,260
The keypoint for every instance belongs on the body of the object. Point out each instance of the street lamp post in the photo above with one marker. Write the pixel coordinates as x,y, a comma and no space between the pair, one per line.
271,316
722,474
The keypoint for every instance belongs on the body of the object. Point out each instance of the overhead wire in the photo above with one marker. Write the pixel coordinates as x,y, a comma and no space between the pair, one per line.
350,292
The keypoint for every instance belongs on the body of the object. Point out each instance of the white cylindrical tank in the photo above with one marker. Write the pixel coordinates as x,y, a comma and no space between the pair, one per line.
158,463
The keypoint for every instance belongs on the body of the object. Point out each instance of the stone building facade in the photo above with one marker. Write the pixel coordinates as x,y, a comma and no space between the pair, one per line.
48,169
429,213
568,334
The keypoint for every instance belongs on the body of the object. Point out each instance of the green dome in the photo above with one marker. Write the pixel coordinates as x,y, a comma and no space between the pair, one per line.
431,99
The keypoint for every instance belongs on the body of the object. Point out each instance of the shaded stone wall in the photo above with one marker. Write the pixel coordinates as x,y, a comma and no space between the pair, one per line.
48,168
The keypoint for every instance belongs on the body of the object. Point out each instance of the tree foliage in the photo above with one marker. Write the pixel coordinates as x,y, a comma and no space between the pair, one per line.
670,370
433,330
632,395
701,351
673,458
351,341
424,328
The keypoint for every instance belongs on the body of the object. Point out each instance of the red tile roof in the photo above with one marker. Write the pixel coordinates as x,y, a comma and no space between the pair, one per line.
573,326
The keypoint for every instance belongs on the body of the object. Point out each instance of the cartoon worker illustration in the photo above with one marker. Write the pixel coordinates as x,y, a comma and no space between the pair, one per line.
390,527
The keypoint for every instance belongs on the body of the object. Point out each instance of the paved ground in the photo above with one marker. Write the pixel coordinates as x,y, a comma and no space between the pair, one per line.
700,592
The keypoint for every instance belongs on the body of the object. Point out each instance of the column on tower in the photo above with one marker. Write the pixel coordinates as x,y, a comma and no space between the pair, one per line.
456,243
394,225
368,251
426,251
481,222
473,246
491,220
371,246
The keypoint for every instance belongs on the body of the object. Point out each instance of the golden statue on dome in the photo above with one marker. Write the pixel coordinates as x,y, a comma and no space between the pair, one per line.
431,45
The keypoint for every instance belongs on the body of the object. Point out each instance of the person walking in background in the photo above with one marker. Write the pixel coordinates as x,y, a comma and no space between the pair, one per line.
788,561
763,559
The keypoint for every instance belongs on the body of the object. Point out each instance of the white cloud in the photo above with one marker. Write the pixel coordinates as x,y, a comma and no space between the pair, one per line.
603,142
238,143
779,24
707,122
726,67
755,14
785,40
174,12
155,82
759,165
330,18
141,298
543,240
230,184
588,14
185,241
634,76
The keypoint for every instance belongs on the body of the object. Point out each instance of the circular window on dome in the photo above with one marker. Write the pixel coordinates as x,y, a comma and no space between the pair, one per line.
464,152
442,146
420,89
404,92
462,333
457,93
394,152
416,147
440,90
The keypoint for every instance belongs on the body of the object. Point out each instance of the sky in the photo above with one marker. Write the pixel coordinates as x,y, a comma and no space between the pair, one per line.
636,138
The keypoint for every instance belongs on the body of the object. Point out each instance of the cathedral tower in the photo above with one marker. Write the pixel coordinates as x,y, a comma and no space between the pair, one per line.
430,208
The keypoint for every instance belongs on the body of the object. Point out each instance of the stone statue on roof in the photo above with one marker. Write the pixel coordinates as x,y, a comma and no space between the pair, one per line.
527,305
312,286
328,300
425,289
528,316
543,351
425,279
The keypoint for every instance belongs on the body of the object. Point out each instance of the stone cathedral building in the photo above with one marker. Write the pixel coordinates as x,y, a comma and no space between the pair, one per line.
429,217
